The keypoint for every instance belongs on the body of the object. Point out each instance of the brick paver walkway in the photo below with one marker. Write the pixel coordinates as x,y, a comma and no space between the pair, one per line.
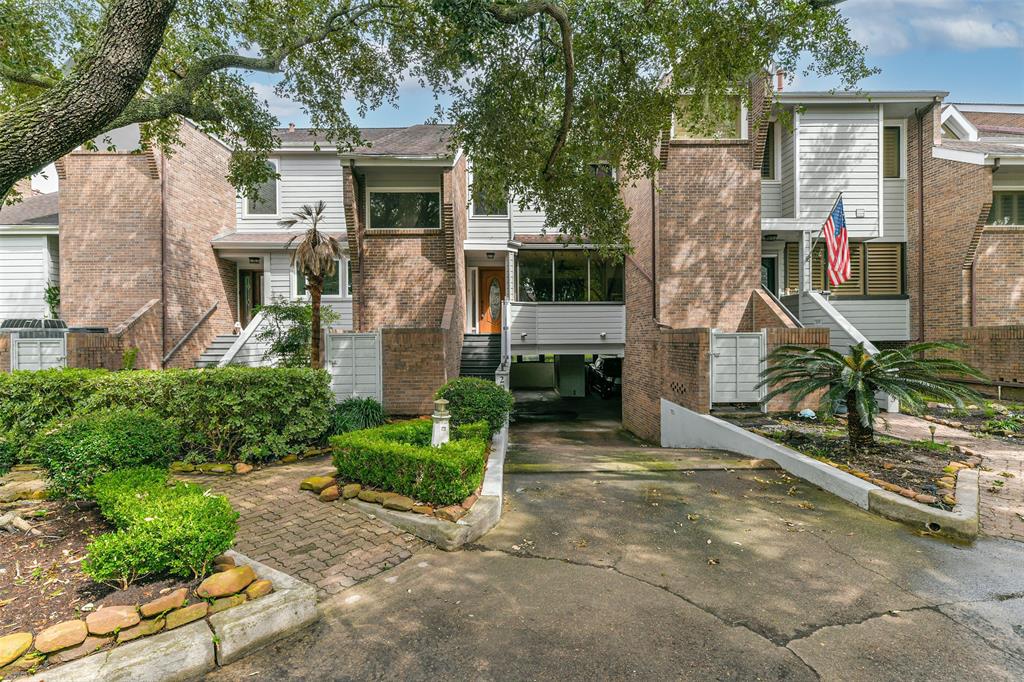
1001,507
328,544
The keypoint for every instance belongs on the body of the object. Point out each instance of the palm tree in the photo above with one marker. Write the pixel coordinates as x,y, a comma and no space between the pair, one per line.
316,258
854,379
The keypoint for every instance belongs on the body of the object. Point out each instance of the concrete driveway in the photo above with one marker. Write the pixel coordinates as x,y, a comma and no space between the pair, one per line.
690,569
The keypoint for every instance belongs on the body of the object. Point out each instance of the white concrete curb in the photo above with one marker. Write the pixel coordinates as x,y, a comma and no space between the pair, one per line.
683,428
484,515
191,651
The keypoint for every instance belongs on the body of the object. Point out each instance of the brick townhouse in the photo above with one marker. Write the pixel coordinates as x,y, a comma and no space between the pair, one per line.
161,254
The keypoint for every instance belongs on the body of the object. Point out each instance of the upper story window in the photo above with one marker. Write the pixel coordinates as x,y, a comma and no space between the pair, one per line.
485,206
892,152
721,125
768,161
265,201
568,275
1007,208
334,283
404,209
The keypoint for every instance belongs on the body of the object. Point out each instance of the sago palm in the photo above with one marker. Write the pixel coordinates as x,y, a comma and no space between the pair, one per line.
315,257
854,379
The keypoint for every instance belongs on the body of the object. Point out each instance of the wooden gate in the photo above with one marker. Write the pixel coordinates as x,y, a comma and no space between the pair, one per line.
736,362
354,361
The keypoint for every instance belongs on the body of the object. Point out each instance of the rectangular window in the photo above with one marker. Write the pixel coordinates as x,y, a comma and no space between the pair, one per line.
486,206
892,152
404,210
332,283
570,276
885,268
1007,208
724,124
607,280
265,201
535,280
768,160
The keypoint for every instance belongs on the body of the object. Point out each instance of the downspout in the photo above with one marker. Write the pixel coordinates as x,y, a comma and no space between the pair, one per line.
163,260
654,248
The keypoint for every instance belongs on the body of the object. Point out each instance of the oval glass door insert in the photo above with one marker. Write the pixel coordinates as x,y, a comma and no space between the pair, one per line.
494,299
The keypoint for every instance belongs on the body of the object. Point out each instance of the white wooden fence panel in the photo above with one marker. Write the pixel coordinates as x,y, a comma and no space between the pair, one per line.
354,361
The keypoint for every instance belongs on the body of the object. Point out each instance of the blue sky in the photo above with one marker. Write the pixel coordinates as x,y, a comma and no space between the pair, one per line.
974,49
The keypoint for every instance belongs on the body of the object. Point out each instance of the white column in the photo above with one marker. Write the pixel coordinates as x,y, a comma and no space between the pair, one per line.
806,239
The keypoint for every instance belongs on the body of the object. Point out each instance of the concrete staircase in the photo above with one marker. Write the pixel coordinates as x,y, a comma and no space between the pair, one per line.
216,350
481,355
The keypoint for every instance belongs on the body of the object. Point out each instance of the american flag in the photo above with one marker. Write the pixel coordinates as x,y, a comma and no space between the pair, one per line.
838,246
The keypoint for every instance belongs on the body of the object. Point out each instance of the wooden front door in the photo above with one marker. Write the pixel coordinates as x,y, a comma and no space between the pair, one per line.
250,294
492,293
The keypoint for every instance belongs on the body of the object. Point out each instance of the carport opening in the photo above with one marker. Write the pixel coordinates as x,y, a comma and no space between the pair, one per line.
564,387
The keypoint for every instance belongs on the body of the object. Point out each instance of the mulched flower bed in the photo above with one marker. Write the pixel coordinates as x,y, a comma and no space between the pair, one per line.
41,581
921,470
1004,421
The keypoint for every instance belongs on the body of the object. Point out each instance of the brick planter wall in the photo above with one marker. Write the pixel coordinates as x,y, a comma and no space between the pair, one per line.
414,367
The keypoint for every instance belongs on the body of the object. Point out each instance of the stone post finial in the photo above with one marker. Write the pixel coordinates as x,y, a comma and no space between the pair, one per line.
440,434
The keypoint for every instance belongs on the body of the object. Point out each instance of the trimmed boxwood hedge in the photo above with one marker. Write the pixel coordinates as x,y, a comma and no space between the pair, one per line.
88,444
163,528
472,400
223,414
398,457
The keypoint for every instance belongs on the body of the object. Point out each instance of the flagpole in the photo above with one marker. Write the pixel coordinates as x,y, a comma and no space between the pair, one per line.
820,232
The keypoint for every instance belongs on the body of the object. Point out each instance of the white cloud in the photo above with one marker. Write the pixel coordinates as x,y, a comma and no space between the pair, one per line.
892,26
45,181
286,110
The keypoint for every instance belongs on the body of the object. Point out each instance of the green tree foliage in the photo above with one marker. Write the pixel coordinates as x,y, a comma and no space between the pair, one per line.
538,90
288,330
854,379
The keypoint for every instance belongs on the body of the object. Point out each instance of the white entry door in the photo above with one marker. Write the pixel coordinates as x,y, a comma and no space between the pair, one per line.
354,361
736,361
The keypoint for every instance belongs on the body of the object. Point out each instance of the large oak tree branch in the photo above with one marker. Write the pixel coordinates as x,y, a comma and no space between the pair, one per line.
514,14
103,81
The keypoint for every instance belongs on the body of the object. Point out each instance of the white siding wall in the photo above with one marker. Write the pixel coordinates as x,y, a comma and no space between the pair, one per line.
771,199
815,312
839,152
567,328
279,280
23,276
305,179
787,184
878,320
894,210
53,253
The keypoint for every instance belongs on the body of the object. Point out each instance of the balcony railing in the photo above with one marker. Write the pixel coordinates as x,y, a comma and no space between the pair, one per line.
566,328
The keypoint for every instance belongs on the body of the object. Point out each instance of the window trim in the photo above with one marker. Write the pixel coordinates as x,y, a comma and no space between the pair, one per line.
777,135
405,190
902,125
277,196
343,283
589,253
744,128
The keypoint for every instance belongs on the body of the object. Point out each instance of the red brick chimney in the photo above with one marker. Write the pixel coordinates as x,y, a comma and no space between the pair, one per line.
780,77
291,127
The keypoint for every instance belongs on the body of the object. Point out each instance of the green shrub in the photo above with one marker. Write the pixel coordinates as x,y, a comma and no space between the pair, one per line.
398,457
353,414
31,400
85,445
471,400
223,413
480,430
9,450
162,528
288,331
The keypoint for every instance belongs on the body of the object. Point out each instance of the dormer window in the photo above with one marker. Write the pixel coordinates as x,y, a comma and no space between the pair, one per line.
266,199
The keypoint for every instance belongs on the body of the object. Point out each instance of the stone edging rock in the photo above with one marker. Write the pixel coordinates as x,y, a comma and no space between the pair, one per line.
683,428
190,651
482,516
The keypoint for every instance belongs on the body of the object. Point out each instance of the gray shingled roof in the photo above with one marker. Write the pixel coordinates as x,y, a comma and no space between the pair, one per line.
278,238
1004,147
416,140
39,209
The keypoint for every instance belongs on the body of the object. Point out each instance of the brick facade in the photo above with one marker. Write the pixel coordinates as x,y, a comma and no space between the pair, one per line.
137,227
999,277
810,337
411,286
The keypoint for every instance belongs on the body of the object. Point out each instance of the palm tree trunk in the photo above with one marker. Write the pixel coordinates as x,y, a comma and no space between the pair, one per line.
315,289
861,437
